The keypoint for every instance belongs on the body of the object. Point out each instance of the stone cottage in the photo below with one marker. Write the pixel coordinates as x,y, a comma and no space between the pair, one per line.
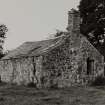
64,61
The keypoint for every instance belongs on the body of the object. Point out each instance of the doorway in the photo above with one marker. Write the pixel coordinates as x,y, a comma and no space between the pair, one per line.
90,66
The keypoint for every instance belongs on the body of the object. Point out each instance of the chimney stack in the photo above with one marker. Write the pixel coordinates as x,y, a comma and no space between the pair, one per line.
73,21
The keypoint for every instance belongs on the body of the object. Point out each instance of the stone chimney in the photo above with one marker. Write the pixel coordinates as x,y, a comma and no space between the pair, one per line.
73,21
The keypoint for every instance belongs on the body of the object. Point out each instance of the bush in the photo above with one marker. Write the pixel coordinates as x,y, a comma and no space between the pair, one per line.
99,81
2,99
31,84
3,83
54,86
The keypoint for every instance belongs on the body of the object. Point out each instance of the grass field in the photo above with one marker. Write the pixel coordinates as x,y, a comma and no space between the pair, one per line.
20,95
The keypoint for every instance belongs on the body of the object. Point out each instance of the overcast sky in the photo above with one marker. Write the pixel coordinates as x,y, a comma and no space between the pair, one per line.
31,20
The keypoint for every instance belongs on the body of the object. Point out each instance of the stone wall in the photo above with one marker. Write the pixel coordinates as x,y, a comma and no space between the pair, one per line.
21,70
66,65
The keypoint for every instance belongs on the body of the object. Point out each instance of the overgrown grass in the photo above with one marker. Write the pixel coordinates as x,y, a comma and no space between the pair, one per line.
23,95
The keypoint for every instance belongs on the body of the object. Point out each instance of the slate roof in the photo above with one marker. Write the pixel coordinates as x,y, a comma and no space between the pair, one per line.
33,48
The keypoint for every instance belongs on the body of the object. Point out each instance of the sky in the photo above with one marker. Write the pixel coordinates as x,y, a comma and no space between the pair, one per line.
33,20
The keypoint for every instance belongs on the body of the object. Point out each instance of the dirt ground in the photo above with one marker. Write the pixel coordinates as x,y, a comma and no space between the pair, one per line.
20,95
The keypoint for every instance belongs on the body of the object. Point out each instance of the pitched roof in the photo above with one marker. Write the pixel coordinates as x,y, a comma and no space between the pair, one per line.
33,48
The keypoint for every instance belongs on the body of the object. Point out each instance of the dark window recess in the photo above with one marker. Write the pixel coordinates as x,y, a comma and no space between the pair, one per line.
104,68
90,66
34,69
34,66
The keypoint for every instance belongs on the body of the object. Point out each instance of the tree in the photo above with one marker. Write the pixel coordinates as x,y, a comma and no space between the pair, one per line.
59,33
92,13
3,31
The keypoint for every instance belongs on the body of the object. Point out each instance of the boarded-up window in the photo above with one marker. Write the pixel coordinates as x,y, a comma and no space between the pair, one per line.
90,66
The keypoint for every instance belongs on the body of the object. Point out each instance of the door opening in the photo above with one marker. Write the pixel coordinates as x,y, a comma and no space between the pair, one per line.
90,66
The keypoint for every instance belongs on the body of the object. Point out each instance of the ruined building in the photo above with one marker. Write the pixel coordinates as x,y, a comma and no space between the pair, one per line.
64,61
